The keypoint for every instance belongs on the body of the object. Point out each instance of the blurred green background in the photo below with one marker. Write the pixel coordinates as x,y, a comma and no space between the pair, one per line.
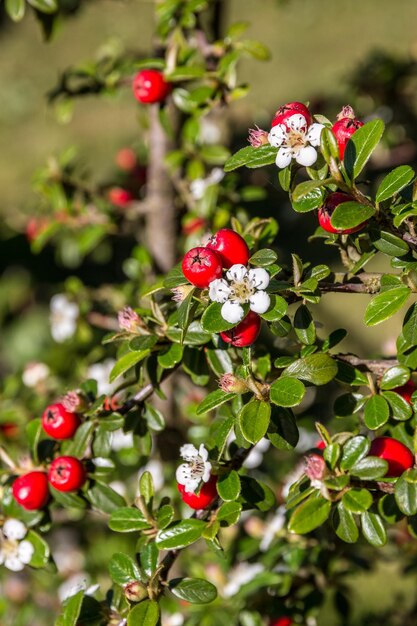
317,47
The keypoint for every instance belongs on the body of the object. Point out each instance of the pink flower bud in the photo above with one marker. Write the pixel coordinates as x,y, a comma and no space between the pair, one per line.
181,292
315,467
257,137
135,591
232,384
347,111
73,402
128,319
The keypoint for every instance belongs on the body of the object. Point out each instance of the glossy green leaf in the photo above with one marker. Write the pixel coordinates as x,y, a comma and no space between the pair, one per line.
309,201
219,361
304,326
389,244
71,610
213,400
287,391
410,325
318,369
194,590
229,513
41,552
406,494
254,420
385,304
123,569
373,529
171,356
44,6
309,515
394,377
361,145
357,500
145,613
277,309
104,498
394,182
127,519
212,320
370,468
376,412
251,157
401,409
126,362
82,439
256,494
282,432
354,450
228,486
345,525
263,258
351,214
180,534
15,9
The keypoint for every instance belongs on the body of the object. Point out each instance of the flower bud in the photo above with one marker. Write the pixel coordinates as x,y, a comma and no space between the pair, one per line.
73,402
232,384
315,467
135,591
181,292
257,137
128,319
347,111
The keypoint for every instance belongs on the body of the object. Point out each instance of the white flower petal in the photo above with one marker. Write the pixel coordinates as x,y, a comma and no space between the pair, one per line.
259,278
297,122
232,312
219,290
259,302
203,453
14,529
237,272
25,551
314,134
284,157
183,474
306,156
277,135
188,452
207,472
59,303
13,563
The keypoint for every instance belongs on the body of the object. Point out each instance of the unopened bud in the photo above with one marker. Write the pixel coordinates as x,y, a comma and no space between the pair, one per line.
232,384
128,319
181,292
257,137
346,111
135,591
315,467
73,402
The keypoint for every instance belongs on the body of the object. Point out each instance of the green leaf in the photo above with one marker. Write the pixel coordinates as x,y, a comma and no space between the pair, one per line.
277,309
228,486
251,157
194,590
175,277
123,569
67,500
346,373
104,498
388,509
308,186
229,513
361,145
354,450
127,520
401,410
256,494
45,6
406,494
410,325
350,214
287,391
394,182
214,155
376,412
370,468
219,361
195,336
212,320
309,201
344,525
282,432
71,610
256,49
394,377
385,304
128,360
318,369
164,516
304,326
373,529
171,356
357,500
263,258
149,556
154,418
145,613
331,454
180,534
388,243
15,9
41,553
82,439
309,515
254,420
213,400
146,488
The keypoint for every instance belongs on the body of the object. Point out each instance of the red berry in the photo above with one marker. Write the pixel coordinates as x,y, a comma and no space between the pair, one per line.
343,130
66,473
399,457
326,211
120,197
201,266
282,621
126,159
245,333
207,494
150,86
230,247
59,423
194,224
320,445
407,390
31,490
292,108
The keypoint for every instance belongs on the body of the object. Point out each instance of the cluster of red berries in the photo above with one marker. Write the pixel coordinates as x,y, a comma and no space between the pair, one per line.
149,86
65,473
202,265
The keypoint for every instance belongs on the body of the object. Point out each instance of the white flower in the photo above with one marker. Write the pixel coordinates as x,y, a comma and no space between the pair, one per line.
272,527
14,553
74,584
241,286
196,468
101,372
293,139
199,185
35,373
63,317
240,575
